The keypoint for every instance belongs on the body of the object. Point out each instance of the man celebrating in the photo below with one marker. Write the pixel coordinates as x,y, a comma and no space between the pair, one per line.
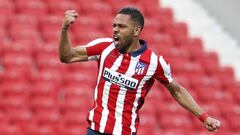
126,71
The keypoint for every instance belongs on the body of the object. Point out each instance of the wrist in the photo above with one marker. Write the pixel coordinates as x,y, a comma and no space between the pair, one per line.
203,117
65,28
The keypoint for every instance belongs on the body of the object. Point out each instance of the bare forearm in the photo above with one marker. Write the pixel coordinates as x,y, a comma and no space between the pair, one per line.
183,97
65,49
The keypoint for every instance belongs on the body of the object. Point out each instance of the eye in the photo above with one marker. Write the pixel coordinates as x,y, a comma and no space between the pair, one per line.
121,26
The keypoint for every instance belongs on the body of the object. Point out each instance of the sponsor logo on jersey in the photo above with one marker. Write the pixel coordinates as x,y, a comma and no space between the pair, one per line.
139,69
119,79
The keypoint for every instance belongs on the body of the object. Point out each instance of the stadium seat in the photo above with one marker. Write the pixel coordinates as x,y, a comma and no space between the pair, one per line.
23,21
174,132
3,33
20,62
73,119
59,8
165,18
147,120
14,75
50,23
22,48
170,122
9,129
148,130
96,8
11,103
31,7
48,75
41,103
194,47
179,32
20,116
6,8
15,88
71,130
25,34
42,88
51,117
34,129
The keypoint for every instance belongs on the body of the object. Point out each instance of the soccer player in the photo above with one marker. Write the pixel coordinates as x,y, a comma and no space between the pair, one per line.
126,71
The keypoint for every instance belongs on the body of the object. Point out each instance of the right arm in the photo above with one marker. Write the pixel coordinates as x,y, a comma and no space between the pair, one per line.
67,53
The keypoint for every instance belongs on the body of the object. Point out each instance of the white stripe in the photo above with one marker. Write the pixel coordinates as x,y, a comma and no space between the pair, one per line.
166,69
151,70
99,40
104,55
106,90
121,97
142,69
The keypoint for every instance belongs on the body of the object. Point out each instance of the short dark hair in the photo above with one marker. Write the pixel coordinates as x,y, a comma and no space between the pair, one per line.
135,14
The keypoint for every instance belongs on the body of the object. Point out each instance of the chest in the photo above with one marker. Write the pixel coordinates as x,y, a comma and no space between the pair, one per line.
125,70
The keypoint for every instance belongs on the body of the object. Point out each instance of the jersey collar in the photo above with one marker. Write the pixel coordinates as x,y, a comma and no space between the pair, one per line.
141,50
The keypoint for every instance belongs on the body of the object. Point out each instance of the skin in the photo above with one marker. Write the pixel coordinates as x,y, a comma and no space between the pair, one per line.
128,33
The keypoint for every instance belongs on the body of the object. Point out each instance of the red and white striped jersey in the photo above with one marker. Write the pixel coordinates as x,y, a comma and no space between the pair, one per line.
123,82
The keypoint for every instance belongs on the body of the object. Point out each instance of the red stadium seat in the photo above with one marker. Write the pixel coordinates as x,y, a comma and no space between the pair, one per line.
194,47
179,32
25,34
45,117
71,130
171,108
42,88
148,120
74,118
15,88
9,129
21,61
22,48
31,7
51,23
11,103
59,8
165,18
84,21
168,121
3,33
6,8
142,130
15,75
96,8
45,62
41,103
48,75
20,116
34,129
23,21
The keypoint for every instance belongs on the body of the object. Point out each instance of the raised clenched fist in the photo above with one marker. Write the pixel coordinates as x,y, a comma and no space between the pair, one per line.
69,18
212,124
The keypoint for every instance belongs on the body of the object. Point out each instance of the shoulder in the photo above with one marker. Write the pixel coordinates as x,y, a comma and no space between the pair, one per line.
97,41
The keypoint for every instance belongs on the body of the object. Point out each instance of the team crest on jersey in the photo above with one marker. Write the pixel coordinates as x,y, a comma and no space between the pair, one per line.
140,67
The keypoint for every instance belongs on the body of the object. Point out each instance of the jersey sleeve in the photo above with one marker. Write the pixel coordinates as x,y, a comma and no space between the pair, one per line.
95,47
163,72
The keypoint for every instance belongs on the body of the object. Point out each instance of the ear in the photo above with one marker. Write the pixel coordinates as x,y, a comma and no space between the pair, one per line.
137,30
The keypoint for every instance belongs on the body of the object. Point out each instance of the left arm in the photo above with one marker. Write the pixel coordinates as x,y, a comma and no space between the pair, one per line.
184,98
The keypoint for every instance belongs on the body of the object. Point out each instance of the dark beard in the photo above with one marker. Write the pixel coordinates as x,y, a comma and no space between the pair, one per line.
123,49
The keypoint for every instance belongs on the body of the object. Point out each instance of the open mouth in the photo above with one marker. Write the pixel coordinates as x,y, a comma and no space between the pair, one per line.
116,39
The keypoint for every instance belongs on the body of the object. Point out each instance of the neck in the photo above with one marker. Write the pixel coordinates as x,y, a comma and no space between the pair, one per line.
135,45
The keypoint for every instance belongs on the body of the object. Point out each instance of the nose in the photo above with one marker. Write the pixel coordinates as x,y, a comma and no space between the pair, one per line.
115,29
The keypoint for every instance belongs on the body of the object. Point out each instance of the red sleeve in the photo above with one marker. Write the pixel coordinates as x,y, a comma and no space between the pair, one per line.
97,46
163,72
